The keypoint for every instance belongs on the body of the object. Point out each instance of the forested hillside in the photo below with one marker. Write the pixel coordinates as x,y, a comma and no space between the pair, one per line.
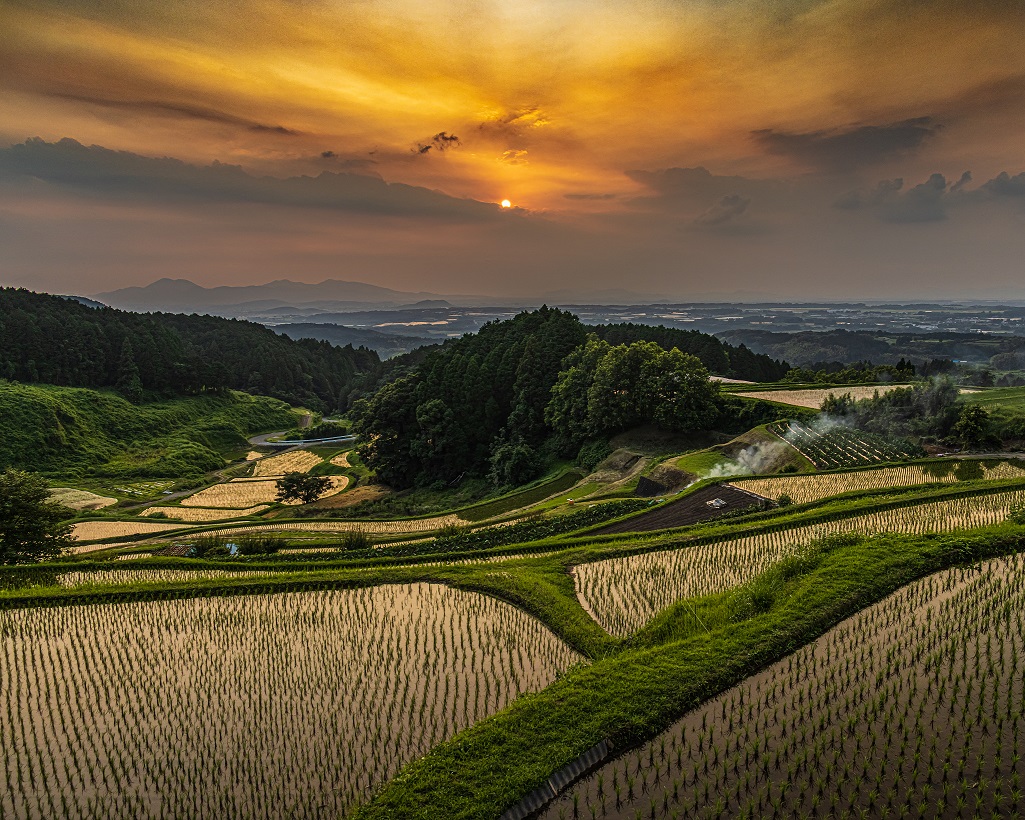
721,358
506,400
468,400
55,340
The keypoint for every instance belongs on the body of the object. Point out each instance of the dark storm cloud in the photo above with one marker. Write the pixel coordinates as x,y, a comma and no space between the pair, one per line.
687,188
925,202
725,210
173,109
441,141
851,149
105,173
1006,185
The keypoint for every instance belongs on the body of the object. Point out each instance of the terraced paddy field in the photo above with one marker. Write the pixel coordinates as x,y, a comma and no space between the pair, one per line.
802,489
202,514
97,530
397,527
80,499
243,493
115,577
296,704
294,461
812,398
623,594
915,707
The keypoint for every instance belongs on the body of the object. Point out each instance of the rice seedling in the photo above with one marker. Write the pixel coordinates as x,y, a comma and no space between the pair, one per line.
96,530
118,577
802,489
202,514
294,704
243,493
294,461
622,594
913,707
813,397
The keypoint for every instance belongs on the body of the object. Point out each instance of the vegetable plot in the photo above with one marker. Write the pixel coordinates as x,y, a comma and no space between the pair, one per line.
837,447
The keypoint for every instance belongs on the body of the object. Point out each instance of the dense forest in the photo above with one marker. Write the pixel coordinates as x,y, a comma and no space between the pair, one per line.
56,340
506,400
721,358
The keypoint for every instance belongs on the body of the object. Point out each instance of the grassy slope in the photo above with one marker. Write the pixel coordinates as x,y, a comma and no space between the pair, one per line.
1005,396
69,432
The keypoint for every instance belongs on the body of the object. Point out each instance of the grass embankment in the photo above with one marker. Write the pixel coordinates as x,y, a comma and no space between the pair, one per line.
638,692
72,432
521,498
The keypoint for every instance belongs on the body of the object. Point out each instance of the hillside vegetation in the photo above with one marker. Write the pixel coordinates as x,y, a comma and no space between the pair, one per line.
55,340
79,432
509,399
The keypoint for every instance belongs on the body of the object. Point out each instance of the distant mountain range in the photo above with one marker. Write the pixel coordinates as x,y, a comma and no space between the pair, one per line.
292,299
185,296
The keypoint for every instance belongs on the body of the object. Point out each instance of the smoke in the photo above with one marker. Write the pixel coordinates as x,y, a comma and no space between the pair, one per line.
754,459
765,456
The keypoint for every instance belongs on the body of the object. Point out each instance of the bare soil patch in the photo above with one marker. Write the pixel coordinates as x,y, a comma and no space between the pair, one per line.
692,508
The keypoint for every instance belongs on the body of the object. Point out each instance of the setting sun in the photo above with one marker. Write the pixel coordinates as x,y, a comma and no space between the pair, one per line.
506,203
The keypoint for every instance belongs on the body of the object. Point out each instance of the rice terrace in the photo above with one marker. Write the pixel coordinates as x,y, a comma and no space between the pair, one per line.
785,611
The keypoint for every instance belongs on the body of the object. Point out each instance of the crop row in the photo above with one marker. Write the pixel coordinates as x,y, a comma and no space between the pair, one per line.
839,447
295,704
802,489
622,594
912,708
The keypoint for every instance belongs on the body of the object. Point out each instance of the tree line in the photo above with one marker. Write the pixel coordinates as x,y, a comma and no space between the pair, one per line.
60,341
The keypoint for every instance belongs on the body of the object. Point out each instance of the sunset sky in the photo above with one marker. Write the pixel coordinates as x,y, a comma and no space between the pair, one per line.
812,149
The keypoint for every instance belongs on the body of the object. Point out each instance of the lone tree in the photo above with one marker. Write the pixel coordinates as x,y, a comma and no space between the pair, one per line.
972,426
31,527
301,487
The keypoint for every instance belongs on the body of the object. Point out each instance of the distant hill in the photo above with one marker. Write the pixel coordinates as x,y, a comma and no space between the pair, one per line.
385,345
55,340
185,296
812,347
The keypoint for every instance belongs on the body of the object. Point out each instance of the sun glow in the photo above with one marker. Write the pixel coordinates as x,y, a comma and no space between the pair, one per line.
506,203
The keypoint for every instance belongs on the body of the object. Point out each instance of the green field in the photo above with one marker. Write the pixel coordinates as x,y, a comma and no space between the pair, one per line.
71,432
1013,397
